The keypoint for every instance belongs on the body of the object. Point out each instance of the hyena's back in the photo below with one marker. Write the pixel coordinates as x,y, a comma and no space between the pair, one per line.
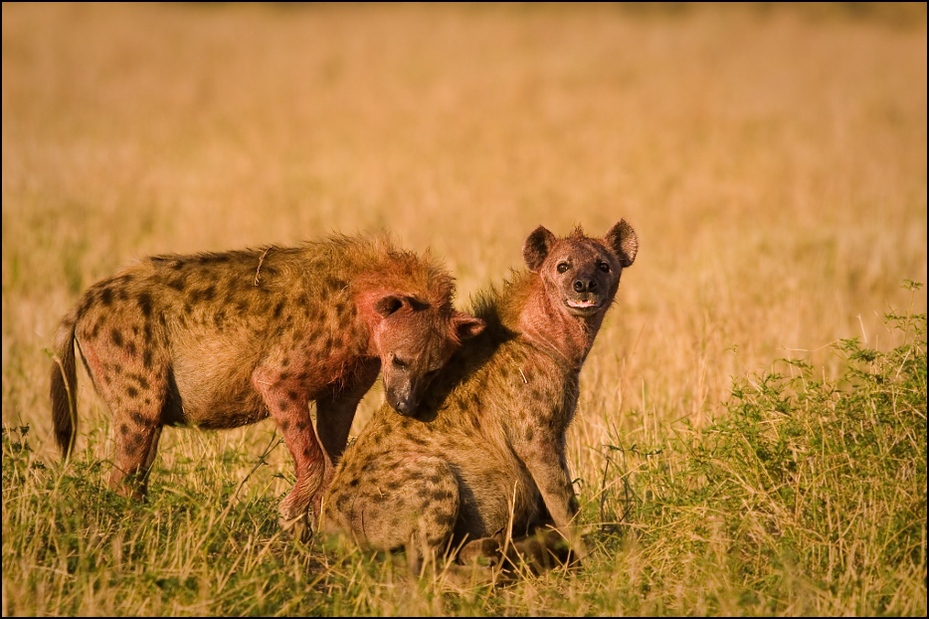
198,326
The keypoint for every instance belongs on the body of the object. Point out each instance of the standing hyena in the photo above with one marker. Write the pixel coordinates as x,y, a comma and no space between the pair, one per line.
221,340
483,461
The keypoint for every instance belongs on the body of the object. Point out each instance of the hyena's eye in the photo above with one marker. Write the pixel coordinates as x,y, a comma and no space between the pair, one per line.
398,363
604,267
562,267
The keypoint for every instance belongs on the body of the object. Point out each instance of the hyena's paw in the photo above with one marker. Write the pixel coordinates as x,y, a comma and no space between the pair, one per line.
299,527
543,551
483,552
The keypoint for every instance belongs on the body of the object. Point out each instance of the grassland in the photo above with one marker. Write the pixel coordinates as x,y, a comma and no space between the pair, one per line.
751,436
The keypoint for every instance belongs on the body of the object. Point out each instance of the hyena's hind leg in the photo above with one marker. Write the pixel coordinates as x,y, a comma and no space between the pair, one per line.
128,472
398,501
125,349
133,381
137,426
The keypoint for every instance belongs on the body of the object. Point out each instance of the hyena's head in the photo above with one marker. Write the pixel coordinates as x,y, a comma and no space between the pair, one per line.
581,273
414,340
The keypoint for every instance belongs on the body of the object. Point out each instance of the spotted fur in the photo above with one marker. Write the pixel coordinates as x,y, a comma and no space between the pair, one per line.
483,462
221,340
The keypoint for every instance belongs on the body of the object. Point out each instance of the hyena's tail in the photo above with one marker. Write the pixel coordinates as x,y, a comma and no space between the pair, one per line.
64,387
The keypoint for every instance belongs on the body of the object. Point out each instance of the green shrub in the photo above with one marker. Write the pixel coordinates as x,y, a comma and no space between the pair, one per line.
808,496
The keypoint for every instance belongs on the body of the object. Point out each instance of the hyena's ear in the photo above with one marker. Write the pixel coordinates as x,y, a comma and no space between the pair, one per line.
622,239
536,247
466,326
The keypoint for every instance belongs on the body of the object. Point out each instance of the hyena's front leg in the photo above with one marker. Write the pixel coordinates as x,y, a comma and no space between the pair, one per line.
335,411
547,463
288,404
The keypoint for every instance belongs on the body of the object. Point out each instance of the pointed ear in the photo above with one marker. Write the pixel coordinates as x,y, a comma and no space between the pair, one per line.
466,326
536,247
622,239
385,306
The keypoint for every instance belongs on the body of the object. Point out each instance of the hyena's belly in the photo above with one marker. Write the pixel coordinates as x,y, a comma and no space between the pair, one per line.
216,406
215,391
224,413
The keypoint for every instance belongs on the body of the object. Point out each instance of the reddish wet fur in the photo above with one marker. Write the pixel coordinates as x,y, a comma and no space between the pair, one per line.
489,444
220,340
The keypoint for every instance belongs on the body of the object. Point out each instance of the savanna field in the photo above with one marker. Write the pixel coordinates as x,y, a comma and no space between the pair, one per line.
751,432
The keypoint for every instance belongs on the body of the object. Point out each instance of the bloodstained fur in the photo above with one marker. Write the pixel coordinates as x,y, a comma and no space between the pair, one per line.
221,340
482,466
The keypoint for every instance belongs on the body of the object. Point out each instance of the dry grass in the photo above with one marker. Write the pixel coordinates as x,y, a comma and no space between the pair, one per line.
772,161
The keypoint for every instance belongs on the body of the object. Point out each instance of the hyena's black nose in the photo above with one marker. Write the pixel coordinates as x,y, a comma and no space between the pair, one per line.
404,407
403,404
584,285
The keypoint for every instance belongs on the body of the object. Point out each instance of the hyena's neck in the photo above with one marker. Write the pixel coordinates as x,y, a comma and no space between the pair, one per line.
365,301
553,329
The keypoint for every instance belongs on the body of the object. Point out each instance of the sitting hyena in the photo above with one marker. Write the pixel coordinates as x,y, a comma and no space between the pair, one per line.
483,461
221,340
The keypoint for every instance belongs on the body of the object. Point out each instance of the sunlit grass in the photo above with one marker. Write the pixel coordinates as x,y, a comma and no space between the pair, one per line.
771,159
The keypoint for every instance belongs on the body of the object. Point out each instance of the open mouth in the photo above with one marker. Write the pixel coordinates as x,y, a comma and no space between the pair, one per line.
583,306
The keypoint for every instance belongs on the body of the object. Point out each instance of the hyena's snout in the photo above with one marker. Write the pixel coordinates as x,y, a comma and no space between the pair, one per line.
585,285
406,391
404,395
415,353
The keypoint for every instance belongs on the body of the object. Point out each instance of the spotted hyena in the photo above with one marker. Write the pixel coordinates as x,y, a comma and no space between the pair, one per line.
483,461
221,340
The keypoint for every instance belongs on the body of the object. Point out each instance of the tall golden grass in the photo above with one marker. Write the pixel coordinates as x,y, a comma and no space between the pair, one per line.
772,160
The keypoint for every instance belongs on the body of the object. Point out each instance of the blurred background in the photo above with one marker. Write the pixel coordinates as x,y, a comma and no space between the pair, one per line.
770,156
